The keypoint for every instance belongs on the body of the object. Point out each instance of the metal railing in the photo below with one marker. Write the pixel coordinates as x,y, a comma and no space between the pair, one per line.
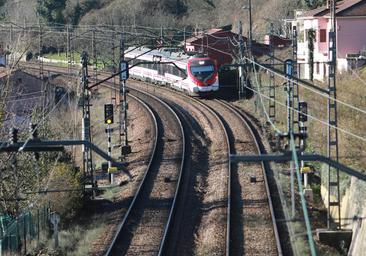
18,235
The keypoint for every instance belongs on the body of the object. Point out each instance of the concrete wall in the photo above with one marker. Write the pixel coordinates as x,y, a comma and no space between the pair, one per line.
353,211
353,214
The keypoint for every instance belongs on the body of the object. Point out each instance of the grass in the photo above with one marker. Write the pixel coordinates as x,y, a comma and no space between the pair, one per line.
109,194
351,88
62,56
76,240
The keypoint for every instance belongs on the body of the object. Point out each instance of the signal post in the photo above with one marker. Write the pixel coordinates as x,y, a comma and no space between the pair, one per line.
109,119
124,74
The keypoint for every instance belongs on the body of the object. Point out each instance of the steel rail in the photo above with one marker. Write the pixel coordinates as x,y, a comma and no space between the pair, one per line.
171,212
121,225
162,247
227,251
166,230
265,167
177,191
208,108
228,220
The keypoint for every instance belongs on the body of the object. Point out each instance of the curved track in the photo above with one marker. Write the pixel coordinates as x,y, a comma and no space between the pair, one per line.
200,226
147,219
250,223
253,228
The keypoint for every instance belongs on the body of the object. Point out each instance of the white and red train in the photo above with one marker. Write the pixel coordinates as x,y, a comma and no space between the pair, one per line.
191,74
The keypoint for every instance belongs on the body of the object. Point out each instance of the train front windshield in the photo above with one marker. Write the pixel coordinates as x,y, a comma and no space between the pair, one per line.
202,72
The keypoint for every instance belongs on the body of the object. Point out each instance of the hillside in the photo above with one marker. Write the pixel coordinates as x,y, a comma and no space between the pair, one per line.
172,13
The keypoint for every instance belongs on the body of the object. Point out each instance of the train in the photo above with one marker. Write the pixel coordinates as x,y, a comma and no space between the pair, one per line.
195,75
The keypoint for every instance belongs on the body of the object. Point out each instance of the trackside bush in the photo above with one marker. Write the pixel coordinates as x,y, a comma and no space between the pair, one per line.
68,195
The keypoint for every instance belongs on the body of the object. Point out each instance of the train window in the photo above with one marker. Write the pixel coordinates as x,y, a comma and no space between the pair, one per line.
155,66
160,69
174,70
182,74
171,71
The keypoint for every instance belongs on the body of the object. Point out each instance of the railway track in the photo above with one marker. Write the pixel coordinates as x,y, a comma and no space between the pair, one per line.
144,144
143,228
250,226
201,225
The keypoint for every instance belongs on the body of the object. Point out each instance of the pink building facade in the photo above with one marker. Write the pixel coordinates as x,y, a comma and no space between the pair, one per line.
351,37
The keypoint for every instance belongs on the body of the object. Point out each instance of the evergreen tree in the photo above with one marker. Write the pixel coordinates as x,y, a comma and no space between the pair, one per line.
78,12
51,10
313,3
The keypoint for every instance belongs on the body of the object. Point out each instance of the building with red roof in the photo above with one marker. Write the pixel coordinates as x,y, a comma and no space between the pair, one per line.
220,44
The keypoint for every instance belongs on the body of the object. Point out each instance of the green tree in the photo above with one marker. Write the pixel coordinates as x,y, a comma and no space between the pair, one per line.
88,5
313,3
78,12
51,10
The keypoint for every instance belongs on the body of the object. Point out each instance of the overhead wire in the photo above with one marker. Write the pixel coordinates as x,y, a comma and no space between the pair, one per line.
297,111
263,106
306,87
311,117
269,70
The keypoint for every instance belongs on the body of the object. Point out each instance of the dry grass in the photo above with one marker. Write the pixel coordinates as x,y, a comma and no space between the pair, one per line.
74,241
351,88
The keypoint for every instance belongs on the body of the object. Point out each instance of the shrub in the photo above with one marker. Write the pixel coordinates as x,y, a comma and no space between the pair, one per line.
66,179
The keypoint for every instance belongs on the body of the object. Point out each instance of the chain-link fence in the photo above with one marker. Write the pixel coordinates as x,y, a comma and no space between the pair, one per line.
18,235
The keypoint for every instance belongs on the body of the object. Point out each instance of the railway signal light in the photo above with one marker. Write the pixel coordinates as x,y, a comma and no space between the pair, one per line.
289,68
108,114
303,111
124,70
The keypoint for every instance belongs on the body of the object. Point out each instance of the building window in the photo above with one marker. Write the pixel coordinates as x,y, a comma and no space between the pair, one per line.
323,35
